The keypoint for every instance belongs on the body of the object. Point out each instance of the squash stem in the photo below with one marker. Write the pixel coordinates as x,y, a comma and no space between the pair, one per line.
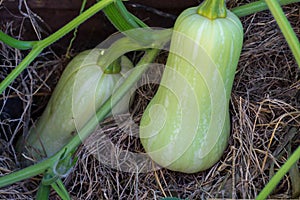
114,68
43,165
213,9
135,75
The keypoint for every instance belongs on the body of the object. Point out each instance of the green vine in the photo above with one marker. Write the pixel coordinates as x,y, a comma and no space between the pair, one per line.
123,21
10,41
118,21
44,165
39,46
75,31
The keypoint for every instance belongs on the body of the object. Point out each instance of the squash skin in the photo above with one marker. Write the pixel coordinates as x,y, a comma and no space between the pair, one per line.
81,90
177,127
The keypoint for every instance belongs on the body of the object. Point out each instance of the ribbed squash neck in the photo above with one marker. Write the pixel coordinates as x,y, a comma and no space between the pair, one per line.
213,9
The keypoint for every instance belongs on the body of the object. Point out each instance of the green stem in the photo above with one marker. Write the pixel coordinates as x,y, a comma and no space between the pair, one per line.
285,27
40,45
240,11
75,22
42,166
124,21
75,31
61,190
213,9
126,15
131,19
25,62
279,175
127,44
10,41
118,48
105,109
43,192
136,74
119,16
114,67
115,51
257,6
28,172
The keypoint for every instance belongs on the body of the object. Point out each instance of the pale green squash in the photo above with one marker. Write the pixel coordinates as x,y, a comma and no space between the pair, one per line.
81,90
186,125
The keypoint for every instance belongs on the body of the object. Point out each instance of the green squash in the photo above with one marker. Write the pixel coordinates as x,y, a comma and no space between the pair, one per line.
81,90
186,125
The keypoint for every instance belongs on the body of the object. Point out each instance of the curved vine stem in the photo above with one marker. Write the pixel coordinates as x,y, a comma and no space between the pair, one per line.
10,41
28,172
83,4
42,166
61,190
40,45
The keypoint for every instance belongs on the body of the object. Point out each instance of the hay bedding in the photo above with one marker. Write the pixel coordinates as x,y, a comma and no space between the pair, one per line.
265,114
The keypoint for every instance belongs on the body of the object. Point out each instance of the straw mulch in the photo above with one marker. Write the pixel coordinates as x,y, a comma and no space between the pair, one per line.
265,122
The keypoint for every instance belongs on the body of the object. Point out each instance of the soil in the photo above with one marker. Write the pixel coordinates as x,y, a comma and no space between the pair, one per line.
264,107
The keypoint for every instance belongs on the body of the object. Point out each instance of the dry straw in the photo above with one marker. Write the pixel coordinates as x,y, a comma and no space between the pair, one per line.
265,117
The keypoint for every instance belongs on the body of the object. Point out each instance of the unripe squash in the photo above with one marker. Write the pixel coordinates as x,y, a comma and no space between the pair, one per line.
186,125
81,90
